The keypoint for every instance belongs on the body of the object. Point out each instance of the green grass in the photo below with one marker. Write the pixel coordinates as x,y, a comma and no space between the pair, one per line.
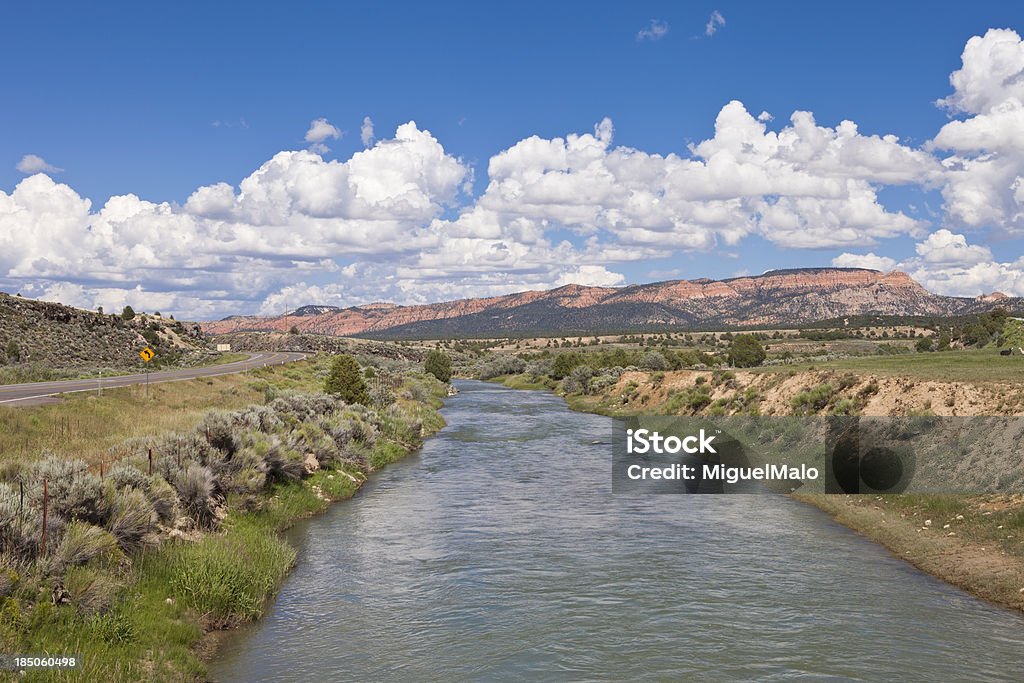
525,382
160,604
226,578
175,590
981,365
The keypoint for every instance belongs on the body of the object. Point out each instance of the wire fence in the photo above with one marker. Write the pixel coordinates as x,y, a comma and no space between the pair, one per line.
28,531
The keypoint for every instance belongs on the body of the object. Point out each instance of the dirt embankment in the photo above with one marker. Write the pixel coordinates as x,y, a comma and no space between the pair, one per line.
975,542
777,393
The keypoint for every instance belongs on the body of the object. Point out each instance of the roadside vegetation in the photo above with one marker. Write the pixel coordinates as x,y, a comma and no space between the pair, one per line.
173,530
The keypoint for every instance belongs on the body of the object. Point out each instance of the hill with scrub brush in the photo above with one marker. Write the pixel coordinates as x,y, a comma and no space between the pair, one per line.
45,335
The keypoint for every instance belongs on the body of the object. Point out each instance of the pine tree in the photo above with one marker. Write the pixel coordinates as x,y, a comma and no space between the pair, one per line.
346,381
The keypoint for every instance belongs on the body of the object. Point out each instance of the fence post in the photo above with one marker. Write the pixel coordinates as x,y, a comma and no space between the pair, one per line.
101,469
46,502
150,462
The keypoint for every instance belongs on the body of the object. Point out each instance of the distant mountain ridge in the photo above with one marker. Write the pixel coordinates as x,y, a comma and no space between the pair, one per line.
776,298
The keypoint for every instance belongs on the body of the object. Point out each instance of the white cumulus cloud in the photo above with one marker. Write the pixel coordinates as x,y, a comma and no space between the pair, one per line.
985,169
396,220
946,263
869,260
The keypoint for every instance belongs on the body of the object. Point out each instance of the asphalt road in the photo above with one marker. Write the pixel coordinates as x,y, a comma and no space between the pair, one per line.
35,393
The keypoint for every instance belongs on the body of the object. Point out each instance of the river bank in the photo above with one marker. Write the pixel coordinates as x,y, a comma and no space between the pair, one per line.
496,553
973,542
147,555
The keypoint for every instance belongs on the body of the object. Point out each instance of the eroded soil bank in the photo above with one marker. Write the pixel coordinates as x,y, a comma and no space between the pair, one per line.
973,542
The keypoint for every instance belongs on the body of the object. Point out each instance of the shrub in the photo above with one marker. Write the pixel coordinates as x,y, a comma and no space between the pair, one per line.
83,543
92,591
346,381
812,400
124,475
847,381
869,389
539,368
381,396
602,382
311,438
127,313
746,351
292,407
195,490
438,364
13,351
924,345
219,430
131,517
163,498
282,465
565,363
259,418
20,525
844,407
652,360
74,493
400,426
501,365
698,400
578,380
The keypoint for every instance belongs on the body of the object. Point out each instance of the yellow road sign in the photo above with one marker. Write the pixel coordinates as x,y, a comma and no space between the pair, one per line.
147,354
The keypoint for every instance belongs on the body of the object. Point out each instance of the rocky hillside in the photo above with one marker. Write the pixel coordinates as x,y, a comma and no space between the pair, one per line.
54,335
777,298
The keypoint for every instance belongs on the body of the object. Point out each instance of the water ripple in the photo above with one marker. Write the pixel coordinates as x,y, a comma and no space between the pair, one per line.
478,559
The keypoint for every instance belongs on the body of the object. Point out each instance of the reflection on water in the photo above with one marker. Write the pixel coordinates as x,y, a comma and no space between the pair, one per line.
499,552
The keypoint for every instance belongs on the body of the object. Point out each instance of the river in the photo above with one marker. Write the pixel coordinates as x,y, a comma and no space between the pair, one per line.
499,553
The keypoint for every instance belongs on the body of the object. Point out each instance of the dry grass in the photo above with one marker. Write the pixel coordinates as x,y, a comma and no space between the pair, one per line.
87,426
978,366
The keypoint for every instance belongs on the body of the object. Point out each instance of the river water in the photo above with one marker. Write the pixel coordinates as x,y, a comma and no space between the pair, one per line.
499,553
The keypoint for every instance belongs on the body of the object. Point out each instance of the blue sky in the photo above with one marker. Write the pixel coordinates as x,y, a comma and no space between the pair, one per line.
159,100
